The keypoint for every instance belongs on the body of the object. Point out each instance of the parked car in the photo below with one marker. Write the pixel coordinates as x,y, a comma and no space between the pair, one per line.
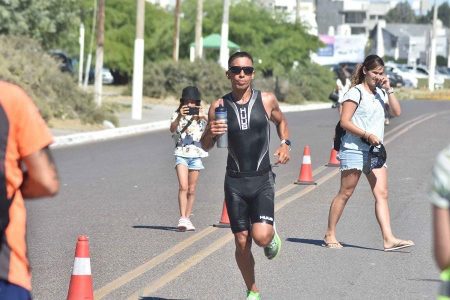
422,72
107,77
444,71
395,80
409,80
65,62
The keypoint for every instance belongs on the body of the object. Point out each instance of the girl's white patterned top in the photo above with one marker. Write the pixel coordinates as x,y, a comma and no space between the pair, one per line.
190,145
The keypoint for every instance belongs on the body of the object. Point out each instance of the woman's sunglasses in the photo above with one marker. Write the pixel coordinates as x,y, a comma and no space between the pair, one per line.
237,70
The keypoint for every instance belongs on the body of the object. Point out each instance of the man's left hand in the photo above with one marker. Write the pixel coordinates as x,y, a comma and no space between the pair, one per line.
283,154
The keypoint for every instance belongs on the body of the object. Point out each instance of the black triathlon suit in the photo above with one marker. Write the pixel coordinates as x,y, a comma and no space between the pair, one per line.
249,181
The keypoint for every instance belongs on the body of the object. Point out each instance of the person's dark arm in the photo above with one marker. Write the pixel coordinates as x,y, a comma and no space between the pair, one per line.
41,176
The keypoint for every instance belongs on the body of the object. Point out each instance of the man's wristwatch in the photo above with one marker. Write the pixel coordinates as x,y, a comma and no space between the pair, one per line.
287,142
390,91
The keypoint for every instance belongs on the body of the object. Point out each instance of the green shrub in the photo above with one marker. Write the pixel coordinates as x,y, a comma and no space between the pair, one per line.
23,62
308,82
166,78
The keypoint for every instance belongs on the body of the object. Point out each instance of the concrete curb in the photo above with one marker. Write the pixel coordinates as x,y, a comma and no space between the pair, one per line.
101,135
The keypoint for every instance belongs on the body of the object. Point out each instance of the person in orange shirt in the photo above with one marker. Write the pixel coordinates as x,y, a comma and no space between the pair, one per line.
27,170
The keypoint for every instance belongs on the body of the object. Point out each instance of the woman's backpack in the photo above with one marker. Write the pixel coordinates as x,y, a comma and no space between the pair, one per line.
339,132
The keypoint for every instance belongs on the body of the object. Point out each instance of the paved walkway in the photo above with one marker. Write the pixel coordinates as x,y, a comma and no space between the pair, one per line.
154,117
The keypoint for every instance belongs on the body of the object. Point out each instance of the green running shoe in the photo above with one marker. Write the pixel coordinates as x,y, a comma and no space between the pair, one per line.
251,295
271,251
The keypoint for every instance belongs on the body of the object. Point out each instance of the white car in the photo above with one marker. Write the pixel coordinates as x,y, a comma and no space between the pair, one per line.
107,77
422,72
409,79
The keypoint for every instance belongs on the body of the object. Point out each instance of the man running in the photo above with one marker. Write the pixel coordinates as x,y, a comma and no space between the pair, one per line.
249,180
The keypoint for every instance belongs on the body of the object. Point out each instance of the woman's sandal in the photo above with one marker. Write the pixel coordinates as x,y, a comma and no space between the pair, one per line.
336,245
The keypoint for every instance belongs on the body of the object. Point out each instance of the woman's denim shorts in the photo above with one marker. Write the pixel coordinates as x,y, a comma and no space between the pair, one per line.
193,163
352,159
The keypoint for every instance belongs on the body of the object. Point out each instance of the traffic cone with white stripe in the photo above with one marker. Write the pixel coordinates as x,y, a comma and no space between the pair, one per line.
81,281
305,177
333,162
224,219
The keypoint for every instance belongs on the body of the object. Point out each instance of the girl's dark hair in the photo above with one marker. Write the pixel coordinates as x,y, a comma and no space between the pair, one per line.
239,54
370,63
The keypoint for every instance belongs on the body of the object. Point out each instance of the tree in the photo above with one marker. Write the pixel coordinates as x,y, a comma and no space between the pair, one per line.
274,43
401,13
120,22
443,15
51,22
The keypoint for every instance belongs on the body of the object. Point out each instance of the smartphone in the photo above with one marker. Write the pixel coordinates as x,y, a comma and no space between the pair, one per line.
194,111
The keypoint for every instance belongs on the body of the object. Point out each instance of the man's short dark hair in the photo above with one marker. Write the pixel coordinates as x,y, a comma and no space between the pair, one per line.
239,54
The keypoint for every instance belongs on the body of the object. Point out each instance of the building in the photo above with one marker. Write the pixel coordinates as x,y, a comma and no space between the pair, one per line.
306,12
411,42
350,16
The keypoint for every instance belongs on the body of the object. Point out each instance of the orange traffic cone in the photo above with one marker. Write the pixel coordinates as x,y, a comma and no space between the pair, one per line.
305,176
333,162
224,219
81,281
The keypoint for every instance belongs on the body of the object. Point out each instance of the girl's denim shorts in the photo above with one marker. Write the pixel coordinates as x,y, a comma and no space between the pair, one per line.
193,163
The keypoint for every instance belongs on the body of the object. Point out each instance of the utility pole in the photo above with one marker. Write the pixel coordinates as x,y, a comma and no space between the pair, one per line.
432,61
81,57
297,13
198,30
176,34
138,67
224,51
99,52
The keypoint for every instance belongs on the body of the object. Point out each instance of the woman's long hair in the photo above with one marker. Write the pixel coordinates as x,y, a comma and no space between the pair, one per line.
371,62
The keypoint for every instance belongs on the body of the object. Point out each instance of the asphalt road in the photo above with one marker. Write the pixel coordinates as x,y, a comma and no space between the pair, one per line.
122,193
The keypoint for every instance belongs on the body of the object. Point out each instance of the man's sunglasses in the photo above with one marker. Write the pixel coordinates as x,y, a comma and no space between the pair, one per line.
237,70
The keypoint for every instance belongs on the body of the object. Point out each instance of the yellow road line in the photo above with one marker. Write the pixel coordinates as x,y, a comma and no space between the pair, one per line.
127,277
183,267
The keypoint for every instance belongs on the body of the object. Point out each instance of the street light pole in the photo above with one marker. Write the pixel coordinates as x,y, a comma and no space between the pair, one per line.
91,43
297,12
176,34
81,56
99,52
432,61
198,30
223,58
138,67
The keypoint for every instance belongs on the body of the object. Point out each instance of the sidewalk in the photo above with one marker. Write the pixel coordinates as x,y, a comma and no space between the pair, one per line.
154,117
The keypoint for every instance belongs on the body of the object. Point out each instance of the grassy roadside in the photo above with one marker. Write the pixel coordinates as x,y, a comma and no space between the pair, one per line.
423,94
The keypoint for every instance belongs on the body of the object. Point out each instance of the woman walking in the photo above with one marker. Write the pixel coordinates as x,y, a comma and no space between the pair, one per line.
188,122
363,119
